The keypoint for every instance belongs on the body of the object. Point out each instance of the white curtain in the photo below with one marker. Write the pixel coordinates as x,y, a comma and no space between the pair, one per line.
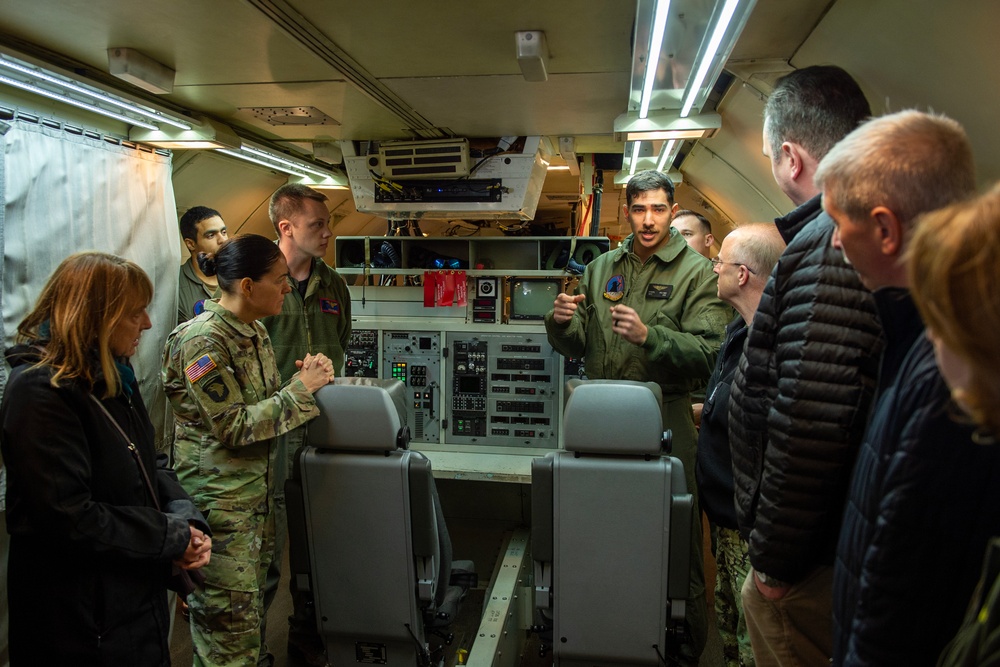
63,190
68,191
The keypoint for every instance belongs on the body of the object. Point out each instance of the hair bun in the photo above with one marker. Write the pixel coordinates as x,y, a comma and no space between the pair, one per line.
207,264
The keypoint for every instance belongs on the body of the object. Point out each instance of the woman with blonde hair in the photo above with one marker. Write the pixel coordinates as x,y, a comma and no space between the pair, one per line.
97,521
954,267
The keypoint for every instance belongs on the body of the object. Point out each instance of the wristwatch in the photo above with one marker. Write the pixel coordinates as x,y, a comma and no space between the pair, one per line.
770,582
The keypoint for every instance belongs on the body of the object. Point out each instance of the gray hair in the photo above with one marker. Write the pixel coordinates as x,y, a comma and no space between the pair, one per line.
758,245
911,162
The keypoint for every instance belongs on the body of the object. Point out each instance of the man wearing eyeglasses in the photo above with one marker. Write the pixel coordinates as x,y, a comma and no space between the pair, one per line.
648,311
744,263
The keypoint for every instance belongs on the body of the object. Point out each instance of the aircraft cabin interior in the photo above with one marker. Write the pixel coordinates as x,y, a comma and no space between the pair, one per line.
474,158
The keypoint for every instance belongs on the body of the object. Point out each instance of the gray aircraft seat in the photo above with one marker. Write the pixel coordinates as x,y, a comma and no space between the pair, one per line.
369,518
611,523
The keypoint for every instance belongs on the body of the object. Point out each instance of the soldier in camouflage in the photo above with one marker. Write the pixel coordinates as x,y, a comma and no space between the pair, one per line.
229,407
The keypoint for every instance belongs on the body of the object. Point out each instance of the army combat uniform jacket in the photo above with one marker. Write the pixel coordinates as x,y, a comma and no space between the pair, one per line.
320,322
223,384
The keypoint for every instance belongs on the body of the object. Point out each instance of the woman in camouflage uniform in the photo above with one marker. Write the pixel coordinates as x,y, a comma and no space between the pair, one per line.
229,406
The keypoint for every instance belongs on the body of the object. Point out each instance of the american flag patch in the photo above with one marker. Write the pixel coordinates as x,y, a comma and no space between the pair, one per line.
329,306
199,368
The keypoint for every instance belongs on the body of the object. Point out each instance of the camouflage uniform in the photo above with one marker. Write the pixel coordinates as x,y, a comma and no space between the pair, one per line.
318,322
223,384
733,564
191,293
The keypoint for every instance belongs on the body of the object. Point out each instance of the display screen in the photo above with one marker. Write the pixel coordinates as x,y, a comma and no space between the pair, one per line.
530,299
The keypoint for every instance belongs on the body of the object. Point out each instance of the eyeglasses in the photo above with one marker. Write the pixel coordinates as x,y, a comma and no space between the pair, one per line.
716,262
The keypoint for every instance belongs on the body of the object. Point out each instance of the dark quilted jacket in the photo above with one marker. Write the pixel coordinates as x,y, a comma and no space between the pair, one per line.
924,501
800,400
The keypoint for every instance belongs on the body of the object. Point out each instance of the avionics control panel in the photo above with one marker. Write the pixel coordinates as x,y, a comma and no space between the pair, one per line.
362,354
415,359
503,390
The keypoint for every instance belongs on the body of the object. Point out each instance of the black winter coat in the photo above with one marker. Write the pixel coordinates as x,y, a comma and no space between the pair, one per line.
714,469
800,400
924,501
89,553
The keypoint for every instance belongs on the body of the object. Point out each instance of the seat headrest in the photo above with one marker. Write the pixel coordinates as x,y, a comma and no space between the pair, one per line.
613,417
359,414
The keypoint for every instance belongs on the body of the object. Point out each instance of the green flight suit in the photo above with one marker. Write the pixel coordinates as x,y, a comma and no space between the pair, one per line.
318,322
676,296
222,381
191,293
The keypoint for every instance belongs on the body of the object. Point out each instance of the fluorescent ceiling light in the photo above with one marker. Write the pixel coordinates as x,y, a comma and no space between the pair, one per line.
707,58
33,76
298,166
558,167
663,125
635,157
31,88
207,134
328,183
667,153
313,176
653,57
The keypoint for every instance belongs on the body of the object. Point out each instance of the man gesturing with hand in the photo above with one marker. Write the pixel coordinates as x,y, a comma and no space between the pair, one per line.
649,311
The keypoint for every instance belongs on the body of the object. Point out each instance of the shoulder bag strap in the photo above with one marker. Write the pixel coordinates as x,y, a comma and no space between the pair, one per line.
131,447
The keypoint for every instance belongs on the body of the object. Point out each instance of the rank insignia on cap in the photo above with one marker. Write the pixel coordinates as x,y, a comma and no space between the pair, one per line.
199,368
330,306
614,290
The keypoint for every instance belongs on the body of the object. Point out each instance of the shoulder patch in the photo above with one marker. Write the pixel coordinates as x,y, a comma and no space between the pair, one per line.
199,307
331,306
614,289
199,367
215,388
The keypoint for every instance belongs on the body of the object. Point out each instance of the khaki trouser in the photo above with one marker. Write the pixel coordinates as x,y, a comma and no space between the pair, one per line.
795,630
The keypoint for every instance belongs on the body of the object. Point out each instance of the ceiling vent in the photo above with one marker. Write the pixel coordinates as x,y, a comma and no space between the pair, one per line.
448,158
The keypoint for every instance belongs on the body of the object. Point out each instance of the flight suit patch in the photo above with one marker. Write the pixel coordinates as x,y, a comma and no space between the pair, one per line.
215,388
331,306
655,291
614,290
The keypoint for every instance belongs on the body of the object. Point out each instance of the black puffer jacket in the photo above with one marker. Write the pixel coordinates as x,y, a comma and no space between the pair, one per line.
800,400
89,553
924,502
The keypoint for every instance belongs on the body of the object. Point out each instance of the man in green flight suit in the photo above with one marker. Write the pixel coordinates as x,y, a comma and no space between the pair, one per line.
649,311
204,231
315,317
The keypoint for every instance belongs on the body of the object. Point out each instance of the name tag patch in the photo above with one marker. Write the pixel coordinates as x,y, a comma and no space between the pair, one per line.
331,306
655,291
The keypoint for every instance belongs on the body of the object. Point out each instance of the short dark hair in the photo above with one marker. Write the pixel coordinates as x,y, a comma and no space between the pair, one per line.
814,107
191,218
287,201
247,256
649,181
706,226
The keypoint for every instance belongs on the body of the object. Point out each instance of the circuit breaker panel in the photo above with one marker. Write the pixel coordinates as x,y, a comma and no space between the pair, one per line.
415,359
502,389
